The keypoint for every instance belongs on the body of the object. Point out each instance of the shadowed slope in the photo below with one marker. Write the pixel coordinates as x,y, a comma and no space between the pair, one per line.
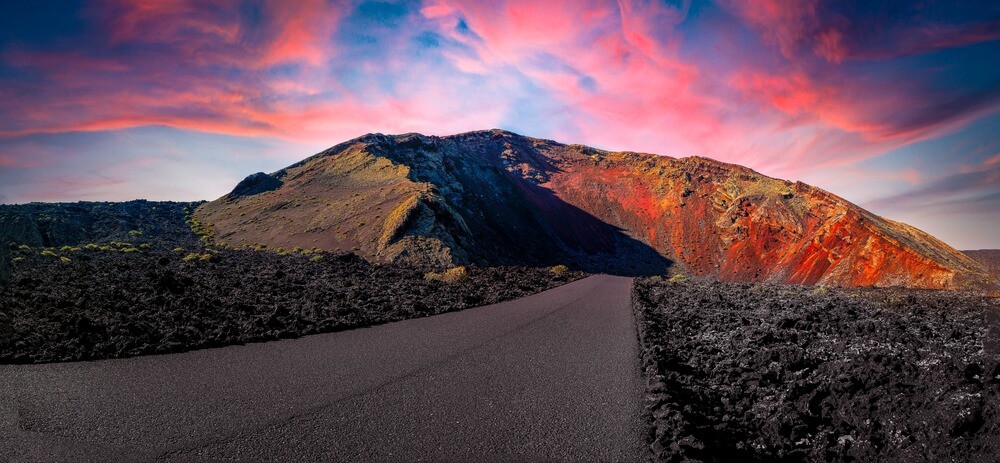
427,201
494,197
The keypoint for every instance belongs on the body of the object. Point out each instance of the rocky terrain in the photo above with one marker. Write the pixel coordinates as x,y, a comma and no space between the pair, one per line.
4,265
759,372
498,198
117,300
72,224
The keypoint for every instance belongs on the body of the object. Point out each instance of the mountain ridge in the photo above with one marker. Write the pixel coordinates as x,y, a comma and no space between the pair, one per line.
495,197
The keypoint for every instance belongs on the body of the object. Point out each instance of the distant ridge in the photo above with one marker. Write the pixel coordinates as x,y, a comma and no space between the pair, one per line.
989,258
494,197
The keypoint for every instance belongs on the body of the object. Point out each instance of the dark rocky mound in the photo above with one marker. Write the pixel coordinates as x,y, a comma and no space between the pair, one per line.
255,184
740,372
72,224
94,303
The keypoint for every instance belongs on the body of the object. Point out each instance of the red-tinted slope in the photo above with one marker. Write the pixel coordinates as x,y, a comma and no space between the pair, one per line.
494,197
726,220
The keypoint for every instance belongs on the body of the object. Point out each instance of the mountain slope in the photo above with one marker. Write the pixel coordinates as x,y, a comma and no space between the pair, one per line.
494,197
989,258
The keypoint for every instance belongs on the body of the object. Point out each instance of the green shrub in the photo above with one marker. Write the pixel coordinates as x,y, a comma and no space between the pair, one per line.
48,253
178,249
144,246
316,258
66,248
91,247
191,257
679,278
207,257
135,233
64,259
821,290
24,247
451,275
130,250
558,269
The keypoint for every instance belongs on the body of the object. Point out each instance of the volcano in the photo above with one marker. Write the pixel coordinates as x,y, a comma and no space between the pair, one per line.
499,198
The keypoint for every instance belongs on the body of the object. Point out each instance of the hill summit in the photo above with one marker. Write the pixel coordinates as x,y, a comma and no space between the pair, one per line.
498,198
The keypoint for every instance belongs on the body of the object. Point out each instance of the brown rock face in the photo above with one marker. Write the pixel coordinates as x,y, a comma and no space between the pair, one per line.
494,197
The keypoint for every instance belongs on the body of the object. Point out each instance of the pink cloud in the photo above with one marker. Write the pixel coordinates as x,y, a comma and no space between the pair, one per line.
614,75
211,31
785,23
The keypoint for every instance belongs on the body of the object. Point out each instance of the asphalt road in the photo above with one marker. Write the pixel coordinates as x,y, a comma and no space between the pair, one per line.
550,377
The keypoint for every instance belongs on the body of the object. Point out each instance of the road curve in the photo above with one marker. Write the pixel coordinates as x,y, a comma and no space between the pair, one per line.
554,377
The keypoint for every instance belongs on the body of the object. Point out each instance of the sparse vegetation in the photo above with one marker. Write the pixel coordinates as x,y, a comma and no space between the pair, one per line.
558,269
679,279
452,275
821,290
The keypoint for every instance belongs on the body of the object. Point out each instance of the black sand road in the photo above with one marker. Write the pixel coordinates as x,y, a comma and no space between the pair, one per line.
554,376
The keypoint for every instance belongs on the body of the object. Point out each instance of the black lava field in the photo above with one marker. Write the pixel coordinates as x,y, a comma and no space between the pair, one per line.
744,372
119,300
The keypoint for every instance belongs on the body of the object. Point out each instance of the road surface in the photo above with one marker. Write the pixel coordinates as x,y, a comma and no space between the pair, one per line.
550,377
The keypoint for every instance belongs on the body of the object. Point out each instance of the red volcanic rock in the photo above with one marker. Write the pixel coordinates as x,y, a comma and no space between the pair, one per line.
493,197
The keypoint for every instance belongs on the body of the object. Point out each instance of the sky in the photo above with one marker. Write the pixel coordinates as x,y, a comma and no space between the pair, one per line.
894,105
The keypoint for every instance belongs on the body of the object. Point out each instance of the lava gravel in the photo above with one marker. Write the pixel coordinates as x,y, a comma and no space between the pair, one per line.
754,372
98,304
